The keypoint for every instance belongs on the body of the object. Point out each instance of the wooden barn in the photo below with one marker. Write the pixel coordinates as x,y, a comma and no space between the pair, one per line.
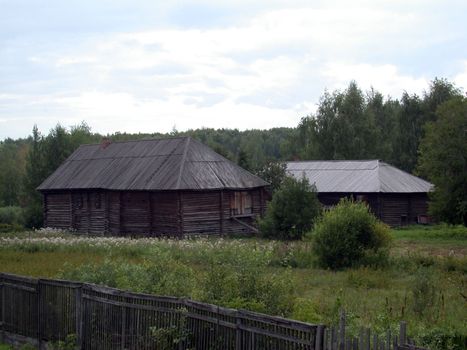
394,196
157,187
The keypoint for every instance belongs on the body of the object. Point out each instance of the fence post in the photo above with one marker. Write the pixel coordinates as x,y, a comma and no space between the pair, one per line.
123,327
342,331
39,312
2,301
403,333
79,316
238,332
319,337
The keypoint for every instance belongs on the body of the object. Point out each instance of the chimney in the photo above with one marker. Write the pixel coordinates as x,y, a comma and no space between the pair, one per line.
105,142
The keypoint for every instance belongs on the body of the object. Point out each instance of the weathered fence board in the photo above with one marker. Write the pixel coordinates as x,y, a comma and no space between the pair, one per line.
44,310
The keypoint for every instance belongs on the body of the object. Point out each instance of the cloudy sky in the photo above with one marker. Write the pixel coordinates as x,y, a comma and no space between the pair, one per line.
150,66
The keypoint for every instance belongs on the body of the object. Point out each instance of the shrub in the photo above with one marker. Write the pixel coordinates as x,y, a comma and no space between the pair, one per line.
348,233
11,215
292,211
33,216
248,287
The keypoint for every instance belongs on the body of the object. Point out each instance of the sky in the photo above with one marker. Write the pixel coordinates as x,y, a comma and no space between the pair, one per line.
154,66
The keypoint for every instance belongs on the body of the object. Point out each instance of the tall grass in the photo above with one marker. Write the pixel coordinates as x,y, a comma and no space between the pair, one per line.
269,276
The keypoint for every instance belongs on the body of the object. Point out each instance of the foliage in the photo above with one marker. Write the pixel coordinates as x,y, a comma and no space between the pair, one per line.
12,215
243,160
248,286
443,159
443,338
161,275
174,334
352,125
292,210
346,234
278,276
273,173
68,344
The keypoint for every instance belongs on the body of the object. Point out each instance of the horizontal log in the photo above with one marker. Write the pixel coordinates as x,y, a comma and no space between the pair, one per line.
18,286
270,334
130,305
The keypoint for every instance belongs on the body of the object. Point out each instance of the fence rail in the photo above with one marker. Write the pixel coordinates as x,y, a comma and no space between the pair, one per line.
45,310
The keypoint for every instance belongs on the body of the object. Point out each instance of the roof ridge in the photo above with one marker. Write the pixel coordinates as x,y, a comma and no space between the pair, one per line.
331,160
182,163
380,185
162,164
138,140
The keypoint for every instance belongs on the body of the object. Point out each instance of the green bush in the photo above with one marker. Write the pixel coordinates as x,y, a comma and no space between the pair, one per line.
292,210
248,287
11,215
443,338
347,234
33,216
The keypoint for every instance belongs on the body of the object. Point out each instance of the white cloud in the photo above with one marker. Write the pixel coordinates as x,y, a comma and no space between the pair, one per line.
461,78
386,78
266,69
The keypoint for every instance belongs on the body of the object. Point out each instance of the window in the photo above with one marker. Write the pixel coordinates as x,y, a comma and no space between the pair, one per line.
240,203
361,198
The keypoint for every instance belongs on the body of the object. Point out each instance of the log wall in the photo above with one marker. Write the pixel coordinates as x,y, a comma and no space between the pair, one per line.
165,218
57,210
169,213
395,209
135,216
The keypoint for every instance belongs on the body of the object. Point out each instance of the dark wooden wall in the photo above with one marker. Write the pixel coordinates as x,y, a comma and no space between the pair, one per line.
403,209
395,209
171,213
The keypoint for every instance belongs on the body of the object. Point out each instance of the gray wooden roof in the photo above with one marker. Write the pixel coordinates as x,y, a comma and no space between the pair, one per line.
358,176
158,164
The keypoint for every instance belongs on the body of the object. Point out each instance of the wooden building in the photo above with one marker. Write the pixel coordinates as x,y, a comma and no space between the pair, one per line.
394,196
157,187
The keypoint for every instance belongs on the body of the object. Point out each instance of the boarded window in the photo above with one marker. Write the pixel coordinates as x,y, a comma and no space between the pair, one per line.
240,203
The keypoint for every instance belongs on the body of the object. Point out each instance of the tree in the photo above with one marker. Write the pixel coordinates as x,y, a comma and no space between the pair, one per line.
414,113
344,127
443,160
274,173
35,174
243,160
292,210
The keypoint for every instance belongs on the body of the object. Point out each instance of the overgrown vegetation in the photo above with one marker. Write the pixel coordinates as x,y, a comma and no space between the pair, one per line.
348,234
423,282
292,211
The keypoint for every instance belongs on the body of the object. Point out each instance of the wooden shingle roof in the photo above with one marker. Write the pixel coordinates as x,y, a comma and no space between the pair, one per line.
179,163
362,176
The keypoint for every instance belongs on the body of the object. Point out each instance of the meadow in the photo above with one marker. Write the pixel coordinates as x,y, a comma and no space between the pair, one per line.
424,281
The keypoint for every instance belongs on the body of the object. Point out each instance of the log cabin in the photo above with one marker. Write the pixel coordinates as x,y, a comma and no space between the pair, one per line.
394,196
157,187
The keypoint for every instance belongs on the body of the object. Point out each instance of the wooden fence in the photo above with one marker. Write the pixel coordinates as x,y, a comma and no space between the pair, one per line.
44,310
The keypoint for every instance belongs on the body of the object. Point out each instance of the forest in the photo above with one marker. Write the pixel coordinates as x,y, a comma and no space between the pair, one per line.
347,124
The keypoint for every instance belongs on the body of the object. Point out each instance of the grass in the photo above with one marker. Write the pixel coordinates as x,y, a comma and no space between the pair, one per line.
424,283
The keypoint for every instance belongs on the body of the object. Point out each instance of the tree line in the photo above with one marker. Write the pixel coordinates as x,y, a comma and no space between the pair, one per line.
348,124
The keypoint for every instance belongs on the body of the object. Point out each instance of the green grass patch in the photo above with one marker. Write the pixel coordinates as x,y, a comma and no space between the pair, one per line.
424,282
448,233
